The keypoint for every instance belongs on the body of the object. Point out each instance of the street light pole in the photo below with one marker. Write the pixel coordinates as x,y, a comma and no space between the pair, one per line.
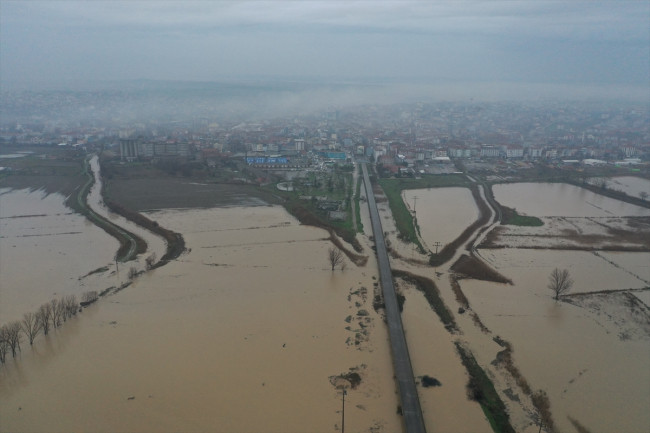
343,413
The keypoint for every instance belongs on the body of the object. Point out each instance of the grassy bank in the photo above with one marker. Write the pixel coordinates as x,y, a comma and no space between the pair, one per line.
511,217
432,295
481,389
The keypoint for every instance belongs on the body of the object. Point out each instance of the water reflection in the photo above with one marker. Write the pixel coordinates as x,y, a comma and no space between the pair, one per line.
559,199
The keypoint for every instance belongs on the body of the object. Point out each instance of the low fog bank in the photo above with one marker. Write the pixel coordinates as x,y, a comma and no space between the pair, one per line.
117,102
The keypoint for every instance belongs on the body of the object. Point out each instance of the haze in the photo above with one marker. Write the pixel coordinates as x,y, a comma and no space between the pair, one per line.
448,50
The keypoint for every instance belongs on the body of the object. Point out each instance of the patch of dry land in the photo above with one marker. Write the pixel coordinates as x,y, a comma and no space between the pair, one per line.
248,331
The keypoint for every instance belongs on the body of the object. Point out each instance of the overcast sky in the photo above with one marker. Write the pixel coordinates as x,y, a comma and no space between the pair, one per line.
532,41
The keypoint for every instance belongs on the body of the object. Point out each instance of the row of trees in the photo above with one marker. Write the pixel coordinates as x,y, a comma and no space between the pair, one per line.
49,316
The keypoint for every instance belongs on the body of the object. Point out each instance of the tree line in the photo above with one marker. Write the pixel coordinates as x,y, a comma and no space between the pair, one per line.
50,315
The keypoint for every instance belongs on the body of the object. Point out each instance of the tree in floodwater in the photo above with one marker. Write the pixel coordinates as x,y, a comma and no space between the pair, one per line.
133,272
4,343
71,306
150,261
56,313
335,257
31,326
89,297
44,313
12,335
559,282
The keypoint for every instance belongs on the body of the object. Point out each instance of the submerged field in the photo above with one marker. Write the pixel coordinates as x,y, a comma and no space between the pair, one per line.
251,320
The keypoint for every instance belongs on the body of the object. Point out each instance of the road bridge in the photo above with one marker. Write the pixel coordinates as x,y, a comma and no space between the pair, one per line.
411,410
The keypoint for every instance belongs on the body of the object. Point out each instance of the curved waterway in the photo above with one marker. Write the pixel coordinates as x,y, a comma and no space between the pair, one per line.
155,244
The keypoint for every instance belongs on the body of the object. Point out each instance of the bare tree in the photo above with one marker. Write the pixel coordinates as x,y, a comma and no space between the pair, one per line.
13,336
44,313
56,313
31,326
88,297
335,257
71,305
150,261
4,343
559,282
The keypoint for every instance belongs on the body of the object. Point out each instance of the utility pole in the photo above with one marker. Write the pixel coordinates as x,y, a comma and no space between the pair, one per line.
343,413
415,200
437,244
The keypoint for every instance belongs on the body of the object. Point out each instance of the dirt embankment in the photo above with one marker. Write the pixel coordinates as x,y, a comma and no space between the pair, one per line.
308,218
432,294
471,267
175,241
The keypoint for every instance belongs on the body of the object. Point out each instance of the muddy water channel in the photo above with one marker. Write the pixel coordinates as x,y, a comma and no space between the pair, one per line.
245,332
155,244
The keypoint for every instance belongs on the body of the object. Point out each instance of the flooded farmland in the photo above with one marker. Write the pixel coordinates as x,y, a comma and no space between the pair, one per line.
246,332
45,252
631,185
251,320
442,213
561,199
589,353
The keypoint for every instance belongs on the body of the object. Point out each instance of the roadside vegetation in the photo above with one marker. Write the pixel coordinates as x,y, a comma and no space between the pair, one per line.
324,199
511,217
481,389
432,295
403,217
357,204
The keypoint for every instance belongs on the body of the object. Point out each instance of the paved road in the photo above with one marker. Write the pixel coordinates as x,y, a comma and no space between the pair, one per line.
401,361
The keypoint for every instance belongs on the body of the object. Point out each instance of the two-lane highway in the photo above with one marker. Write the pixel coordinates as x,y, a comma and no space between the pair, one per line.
401,361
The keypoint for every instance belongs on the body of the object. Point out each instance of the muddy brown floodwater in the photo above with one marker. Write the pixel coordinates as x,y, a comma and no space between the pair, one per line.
631,185
245,332
45,251
589,353
592,357
561,199
442,213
